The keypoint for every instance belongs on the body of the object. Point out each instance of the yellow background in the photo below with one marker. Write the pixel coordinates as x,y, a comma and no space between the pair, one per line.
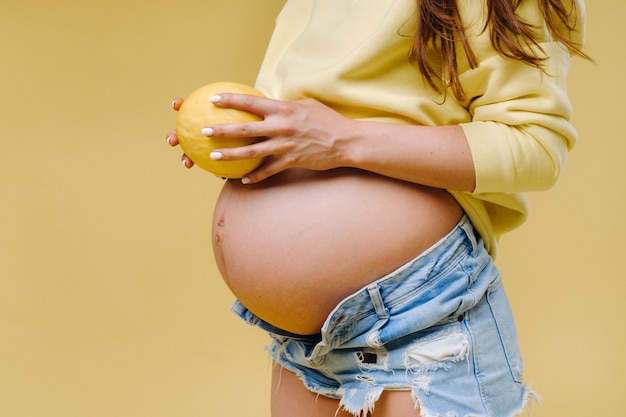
110,304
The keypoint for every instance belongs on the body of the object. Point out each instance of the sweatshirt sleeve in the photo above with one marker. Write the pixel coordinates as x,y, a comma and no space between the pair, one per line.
520,130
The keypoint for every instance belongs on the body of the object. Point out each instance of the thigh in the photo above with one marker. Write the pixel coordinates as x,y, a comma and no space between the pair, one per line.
396,404
291,398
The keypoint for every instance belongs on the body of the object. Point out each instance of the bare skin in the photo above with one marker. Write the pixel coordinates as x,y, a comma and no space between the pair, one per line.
307,134
293,246
337,204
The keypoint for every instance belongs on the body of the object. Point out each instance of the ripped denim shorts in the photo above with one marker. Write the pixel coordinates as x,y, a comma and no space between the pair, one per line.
440,327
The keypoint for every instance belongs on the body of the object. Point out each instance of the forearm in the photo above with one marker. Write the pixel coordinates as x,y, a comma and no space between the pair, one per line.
432,156
308,134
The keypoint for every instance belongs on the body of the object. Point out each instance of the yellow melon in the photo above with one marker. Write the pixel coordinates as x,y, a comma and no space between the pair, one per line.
197,112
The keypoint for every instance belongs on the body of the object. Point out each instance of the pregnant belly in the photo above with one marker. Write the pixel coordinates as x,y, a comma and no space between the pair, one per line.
294,246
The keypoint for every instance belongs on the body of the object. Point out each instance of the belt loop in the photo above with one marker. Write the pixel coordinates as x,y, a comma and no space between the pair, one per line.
468,228
377,301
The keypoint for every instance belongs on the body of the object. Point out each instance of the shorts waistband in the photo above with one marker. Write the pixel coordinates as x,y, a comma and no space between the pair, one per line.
397,286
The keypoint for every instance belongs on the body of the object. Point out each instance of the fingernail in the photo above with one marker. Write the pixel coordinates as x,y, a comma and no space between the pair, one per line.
216,156
173,103
245,180
184,162
167,138
207,131
215,99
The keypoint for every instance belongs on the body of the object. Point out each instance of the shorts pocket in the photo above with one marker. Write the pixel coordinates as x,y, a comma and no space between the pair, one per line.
505,324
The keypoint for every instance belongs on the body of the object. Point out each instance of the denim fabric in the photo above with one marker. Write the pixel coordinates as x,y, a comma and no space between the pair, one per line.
440,326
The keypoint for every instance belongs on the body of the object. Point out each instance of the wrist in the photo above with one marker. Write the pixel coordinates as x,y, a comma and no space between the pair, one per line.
350,143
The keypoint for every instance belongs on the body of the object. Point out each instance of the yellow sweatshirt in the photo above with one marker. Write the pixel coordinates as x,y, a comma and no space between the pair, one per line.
352,55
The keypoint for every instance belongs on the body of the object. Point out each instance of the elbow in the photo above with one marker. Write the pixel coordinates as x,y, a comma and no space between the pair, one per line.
543,178
546,162
525,166
519,159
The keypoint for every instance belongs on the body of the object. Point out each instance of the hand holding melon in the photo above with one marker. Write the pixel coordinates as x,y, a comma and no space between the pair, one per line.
197,112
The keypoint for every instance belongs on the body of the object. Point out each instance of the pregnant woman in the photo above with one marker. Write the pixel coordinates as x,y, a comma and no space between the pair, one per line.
399,137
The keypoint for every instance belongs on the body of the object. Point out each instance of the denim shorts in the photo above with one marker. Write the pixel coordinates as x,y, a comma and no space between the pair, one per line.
440,327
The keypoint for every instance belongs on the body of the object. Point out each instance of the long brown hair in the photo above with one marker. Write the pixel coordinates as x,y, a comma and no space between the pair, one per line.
440,26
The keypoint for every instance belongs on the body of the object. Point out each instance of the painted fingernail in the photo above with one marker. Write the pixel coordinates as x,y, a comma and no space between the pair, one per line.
216,156
245,180
215,99
207,131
